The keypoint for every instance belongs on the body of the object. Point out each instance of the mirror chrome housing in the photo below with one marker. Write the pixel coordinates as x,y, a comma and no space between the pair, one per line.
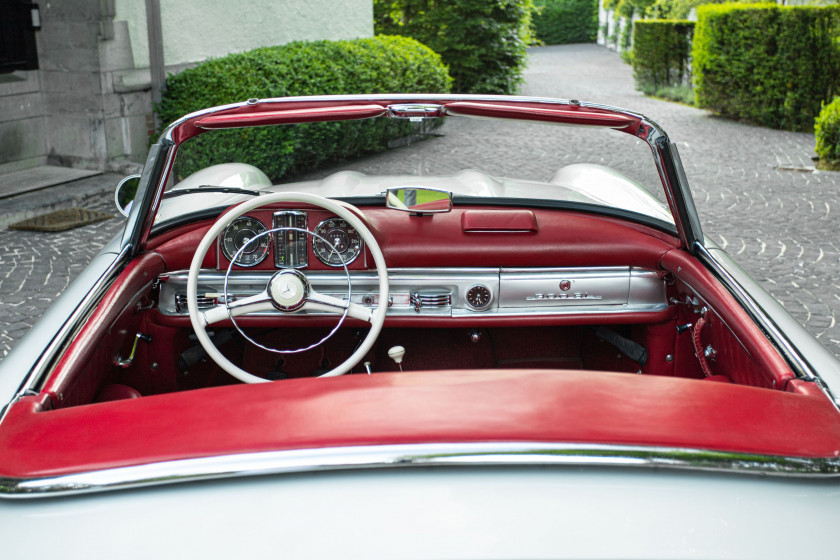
124,193
418,200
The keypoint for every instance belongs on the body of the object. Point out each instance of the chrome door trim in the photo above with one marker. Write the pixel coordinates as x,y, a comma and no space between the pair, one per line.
37,374
800,365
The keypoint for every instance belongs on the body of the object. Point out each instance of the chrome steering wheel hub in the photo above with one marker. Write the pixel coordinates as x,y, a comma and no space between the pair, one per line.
288,290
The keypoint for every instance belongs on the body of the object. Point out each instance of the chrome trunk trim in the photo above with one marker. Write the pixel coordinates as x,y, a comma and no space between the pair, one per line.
490,454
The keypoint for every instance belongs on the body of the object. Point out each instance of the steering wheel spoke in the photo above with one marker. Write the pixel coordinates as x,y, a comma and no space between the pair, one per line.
251,304
322,302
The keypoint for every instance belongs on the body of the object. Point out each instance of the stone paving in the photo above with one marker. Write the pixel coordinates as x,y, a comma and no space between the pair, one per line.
753,194
36,267
755,200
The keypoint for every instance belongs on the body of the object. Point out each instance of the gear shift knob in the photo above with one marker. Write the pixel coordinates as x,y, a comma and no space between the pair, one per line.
396,353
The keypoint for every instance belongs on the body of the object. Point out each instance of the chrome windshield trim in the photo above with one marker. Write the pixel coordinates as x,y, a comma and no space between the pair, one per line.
665,156
492,454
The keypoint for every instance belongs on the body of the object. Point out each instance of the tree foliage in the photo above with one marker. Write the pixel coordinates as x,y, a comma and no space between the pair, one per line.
661,51
827,132
558,22
483,42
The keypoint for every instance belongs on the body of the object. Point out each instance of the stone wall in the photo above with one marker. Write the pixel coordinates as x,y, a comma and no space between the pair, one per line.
89,104
194,30
23,133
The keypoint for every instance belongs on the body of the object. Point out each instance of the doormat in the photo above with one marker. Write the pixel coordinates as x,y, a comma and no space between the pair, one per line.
62,220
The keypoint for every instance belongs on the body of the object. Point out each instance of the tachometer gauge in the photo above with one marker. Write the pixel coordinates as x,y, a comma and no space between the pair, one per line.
342,237
238,234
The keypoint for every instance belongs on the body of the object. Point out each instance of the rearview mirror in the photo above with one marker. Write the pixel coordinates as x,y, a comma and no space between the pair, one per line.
419,200
125,192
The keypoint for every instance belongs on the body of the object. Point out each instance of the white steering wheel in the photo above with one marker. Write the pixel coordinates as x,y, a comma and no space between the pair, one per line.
288,290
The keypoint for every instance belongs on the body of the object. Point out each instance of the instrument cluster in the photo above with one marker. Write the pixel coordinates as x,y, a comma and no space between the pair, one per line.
247,241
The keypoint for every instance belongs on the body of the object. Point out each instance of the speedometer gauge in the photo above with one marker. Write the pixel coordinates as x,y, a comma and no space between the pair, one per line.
238,235
336,242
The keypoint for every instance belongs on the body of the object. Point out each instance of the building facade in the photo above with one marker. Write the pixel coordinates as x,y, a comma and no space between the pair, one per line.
82,97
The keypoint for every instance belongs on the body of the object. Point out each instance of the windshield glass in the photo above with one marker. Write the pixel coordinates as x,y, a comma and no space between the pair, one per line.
477,159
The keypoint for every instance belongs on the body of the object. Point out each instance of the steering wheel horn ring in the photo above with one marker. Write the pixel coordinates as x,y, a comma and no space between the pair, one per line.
288,290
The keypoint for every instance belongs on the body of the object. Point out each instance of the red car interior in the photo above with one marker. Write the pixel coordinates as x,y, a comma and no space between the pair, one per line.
455,386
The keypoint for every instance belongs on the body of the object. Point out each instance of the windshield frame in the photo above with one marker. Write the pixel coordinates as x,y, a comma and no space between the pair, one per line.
256,112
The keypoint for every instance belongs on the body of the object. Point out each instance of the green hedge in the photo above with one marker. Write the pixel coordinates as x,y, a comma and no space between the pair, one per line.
766,64
680,9
660,53
827,132
482,41
378,65
559,22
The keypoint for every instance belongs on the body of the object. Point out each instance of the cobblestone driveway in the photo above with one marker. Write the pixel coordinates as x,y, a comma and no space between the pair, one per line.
778,223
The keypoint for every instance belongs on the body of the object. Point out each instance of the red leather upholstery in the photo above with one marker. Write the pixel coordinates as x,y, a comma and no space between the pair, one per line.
426,407
107,334
116,392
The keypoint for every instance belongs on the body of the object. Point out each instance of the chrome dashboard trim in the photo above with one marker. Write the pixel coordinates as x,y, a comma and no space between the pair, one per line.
513,291
471,454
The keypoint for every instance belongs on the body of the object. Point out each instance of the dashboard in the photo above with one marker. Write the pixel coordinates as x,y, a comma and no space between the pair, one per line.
458,292
462,264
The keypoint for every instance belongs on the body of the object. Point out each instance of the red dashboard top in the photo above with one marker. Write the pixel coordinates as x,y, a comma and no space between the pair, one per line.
468,236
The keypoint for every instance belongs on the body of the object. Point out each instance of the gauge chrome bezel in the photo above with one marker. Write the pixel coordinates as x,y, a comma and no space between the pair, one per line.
322,235
229,256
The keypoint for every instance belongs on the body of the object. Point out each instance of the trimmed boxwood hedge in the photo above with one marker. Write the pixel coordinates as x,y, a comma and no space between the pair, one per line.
660,53
559,22
827,132
680,9
483,42
766,64
378,65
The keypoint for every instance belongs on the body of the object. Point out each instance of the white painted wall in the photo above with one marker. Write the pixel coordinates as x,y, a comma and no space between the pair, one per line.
195,30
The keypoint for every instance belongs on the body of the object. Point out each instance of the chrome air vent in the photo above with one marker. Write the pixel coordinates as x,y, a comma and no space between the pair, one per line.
206,301
431,300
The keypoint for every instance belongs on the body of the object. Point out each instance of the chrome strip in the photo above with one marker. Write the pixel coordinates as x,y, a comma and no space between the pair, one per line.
789,352
73,323
489,454
757,314
514,291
